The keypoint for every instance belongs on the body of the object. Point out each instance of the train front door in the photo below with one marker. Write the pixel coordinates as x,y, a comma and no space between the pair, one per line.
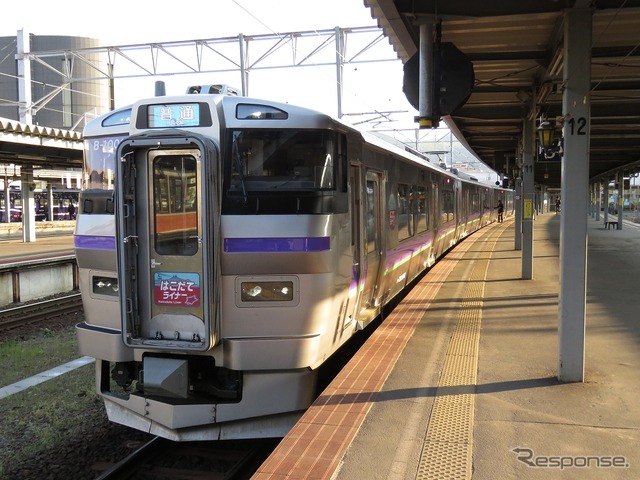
163,260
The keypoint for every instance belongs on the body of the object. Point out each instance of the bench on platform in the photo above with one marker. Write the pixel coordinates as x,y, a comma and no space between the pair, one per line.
610,223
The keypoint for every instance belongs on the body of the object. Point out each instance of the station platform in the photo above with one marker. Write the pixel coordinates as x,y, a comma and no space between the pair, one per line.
52,239
460,381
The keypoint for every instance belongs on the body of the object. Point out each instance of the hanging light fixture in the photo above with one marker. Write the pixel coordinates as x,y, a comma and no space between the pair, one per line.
546,132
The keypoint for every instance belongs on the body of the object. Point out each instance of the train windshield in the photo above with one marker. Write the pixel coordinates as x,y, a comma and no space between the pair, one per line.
99,157
281,160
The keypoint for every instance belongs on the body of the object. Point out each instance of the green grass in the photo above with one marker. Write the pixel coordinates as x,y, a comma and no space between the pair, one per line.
47,349
40,417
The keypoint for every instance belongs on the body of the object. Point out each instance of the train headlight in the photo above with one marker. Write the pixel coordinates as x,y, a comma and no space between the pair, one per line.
252,292
267,291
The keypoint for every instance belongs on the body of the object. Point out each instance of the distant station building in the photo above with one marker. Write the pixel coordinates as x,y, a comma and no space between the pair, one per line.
58,101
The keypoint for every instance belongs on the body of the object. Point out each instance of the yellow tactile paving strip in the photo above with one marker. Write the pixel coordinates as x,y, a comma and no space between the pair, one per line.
315,446
447,447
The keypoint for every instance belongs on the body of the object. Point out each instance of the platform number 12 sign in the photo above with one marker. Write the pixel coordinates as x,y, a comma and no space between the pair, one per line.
577,126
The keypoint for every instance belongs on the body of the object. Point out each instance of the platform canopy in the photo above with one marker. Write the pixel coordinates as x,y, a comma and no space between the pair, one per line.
24,144
516,48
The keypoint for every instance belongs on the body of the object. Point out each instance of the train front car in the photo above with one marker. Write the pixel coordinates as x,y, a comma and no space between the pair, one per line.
235,264
94,240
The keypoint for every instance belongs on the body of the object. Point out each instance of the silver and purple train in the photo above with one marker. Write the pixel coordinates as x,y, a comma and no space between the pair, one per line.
228,246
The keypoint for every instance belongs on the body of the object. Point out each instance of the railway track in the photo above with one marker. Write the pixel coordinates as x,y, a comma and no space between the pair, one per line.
163,459
38,311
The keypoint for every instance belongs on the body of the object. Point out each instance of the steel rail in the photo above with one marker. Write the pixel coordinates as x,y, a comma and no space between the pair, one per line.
33,312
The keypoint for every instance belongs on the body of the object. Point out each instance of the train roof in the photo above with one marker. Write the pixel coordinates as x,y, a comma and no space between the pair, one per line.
118,122
120,119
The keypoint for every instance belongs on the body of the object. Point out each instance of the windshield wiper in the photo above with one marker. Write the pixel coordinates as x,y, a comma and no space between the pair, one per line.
238,161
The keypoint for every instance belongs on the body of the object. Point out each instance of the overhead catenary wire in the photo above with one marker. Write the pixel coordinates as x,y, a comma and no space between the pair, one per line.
307,55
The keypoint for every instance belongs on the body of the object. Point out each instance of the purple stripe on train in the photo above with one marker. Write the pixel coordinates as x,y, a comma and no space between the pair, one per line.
295,244
94,242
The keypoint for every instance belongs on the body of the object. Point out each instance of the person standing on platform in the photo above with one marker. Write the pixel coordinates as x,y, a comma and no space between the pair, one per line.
557,205
500,208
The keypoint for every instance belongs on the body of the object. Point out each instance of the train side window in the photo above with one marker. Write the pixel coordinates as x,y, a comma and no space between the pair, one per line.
421,212
447,199
371,216
405,212
475,202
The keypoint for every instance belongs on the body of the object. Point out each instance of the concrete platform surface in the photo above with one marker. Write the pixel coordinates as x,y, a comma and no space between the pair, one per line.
52,239
525,423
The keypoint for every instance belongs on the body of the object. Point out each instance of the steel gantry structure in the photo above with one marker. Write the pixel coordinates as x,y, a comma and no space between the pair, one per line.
242,54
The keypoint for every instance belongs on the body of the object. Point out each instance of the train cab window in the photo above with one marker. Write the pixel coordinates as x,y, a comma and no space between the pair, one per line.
282,160
99,162
175,206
